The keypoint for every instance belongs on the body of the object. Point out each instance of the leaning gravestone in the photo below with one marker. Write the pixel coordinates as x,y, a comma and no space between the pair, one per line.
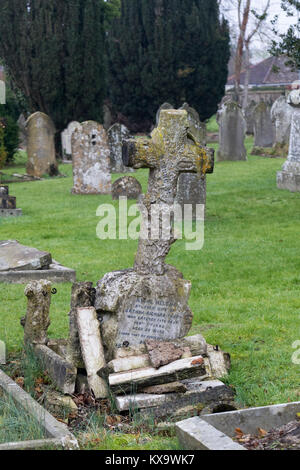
20,264
91,160
117,134
150,301
281,115
8,203
232,130
66,139
41,146
191,188
289,176
263,127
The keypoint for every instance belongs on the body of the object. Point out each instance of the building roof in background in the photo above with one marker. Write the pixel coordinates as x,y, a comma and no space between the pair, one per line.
271,71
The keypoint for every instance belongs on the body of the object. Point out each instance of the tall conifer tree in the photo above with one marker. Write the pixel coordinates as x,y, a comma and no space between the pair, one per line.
167,50
54,52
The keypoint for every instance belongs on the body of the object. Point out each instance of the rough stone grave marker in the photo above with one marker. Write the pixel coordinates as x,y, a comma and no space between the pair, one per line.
264,132
289,176
117,134
91,160
151,300
41,146
232,130
8,203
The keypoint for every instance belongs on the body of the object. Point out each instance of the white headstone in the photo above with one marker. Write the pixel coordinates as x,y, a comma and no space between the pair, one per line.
66,138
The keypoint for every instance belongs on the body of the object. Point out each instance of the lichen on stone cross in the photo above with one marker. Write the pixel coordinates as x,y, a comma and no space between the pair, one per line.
172,150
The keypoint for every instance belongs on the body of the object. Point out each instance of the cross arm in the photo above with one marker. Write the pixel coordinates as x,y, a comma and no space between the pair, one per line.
140,153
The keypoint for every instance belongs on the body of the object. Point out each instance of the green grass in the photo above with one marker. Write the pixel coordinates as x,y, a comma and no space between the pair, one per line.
16,425
245,281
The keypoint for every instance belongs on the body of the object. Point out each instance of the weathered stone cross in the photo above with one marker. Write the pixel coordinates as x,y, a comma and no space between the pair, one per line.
171,150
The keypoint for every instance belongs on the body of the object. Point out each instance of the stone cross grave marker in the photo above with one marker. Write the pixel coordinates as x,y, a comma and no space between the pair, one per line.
289,176
171,151
91,159
151,300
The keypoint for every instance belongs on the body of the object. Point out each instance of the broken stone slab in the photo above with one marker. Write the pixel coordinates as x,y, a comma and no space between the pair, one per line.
162,353
196,434
56,274
265,417
17,257
10,212
2,353
129,363
59,346
217,362
173,387
195,344
62,372
82,385
128,187
92,349
83,295
198,392
37,320
136,380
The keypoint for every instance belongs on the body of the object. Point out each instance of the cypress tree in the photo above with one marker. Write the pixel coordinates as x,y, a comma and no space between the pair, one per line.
54,53
167,50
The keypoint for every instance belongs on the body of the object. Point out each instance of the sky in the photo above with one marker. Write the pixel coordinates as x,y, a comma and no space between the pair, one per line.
260,44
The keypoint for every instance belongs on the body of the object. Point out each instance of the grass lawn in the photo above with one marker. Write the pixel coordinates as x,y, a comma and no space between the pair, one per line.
245,281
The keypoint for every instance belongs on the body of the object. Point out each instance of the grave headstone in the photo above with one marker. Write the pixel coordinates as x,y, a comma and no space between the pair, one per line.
8,203
263,127
22,132
249,117
161,108
66,139
151,300
232,130
117,134
127,186
91,160
191,188
41,146
281,115
289,177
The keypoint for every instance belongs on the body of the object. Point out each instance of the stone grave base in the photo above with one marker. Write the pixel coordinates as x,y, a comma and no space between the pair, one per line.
10,212
215,431
288,180
56,273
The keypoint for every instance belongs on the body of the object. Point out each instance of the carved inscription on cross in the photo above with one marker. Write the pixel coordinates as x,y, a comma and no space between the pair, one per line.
171,150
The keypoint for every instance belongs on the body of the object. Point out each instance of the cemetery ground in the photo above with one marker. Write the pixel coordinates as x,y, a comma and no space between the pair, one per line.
245,281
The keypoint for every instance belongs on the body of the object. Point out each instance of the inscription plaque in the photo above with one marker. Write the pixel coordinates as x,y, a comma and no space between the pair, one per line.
149,318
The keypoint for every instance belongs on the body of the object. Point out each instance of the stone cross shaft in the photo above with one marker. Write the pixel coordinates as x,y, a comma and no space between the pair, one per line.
172,150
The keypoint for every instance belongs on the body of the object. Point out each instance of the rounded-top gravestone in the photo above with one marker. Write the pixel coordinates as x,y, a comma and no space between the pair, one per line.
281,115
127,186
264,130
41,146
66,139
232,130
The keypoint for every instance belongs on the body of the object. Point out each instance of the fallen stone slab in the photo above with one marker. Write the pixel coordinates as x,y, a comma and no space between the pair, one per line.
129,363
200,393
17,257
92,349
136,380
56,274
62,372
10,212
56,431
173,387
208,431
